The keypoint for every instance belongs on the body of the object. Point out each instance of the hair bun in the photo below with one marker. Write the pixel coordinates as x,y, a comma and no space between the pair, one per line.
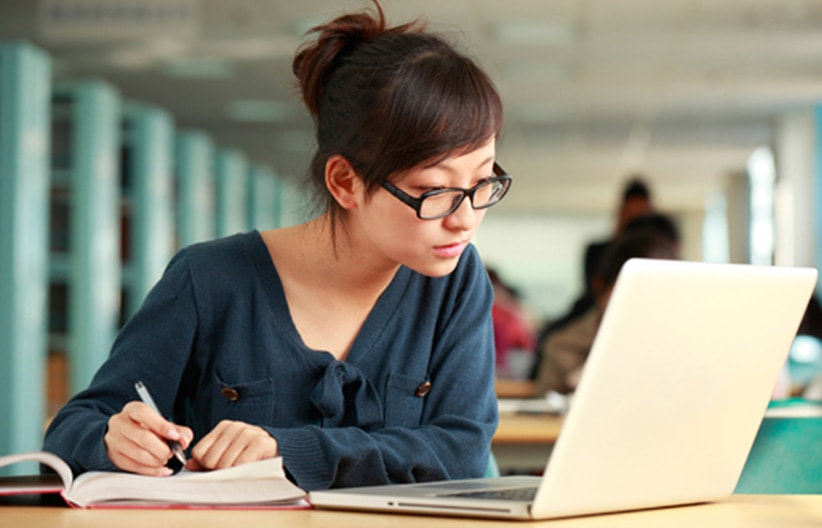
317,60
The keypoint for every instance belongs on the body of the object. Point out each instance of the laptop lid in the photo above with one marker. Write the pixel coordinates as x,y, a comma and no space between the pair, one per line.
675,386
673,391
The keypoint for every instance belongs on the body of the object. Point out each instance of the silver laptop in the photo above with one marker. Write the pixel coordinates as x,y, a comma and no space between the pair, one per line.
678,379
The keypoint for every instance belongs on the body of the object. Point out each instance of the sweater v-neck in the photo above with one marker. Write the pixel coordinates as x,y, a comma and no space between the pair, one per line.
375,324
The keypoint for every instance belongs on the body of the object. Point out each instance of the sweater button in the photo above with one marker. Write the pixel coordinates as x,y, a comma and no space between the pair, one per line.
423,389
230,393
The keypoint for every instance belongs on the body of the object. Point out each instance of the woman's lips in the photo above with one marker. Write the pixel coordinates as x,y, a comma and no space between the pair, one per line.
450,250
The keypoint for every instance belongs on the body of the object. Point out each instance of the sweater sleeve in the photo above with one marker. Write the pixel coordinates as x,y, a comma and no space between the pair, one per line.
458,420
152,347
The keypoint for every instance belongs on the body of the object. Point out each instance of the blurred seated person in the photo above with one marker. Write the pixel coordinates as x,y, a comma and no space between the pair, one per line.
563,351
812,320
635,201
513,331
661,223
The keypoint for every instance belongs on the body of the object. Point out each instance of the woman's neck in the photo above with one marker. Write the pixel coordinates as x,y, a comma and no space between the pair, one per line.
334,260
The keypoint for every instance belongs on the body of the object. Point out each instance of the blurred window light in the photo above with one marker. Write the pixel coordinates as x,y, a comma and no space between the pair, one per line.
806,349
715,229
762,179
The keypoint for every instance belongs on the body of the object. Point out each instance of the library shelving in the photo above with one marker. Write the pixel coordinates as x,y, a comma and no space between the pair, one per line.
84,234
231,173
147,200
195,183
25,86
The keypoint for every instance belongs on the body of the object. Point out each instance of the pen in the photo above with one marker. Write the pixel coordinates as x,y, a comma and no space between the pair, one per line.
142,391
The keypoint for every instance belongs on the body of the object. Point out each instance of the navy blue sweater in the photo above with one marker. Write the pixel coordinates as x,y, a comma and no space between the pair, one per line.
214,340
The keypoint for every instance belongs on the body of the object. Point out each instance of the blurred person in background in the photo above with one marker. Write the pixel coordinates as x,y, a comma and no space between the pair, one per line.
635,201
564,348
514,336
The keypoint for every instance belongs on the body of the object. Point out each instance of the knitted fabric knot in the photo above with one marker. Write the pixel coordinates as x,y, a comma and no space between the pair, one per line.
346,398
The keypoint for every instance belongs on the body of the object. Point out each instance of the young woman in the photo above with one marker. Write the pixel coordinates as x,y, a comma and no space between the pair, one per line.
358,346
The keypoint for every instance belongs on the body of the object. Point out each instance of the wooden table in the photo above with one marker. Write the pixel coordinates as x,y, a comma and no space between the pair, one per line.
738,511
515,388
527,429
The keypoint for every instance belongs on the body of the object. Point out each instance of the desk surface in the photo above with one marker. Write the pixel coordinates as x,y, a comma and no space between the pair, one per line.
738,511
515,388
527,429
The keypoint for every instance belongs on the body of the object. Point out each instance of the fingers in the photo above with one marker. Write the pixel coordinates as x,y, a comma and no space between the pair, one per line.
137,436
133,461
132,447
145,416
136,440
233,443
220,447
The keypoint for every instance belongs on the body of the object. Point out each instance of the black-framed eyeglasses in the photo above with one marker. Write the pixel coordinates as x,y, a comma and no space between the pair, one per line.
439,203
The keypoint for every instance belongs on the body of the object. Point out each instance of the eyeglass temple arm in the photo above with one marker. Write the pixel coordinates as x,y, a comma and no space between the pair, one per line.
403,196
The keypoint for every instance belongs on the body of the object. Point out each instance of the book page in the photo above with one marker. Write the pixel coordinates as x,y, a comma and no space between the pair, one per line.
261,482
267,469
31,485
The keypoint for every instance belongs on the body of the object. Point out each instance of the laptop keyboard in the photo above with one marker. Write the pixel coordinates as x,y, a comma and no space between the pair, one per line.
514,494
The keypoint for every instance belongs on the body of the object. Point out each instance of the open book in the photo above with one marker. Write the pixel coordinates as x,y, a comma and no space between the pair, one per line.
257,484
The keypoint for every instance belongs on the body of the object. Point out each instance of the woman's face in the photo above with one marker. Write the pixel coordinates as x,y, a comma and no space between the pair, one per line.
391,230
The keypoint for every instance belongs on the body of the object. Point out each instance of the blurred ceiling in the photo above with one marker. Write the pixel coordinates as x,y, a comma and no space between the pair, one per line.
680,90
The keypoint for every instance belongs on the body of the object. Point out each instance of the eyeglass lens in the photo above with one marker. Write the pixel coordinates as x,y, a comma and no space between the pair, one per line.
444,203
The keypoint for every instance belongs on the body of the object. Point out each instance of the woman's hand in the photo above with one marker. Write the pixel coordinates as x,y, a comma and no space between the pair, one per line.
136,440
230,444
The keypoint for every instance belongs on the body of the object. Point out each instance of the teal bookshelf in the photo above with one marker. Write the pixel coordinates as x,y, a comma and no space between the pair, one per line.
147,200
231,173
25,85
84,271
195,183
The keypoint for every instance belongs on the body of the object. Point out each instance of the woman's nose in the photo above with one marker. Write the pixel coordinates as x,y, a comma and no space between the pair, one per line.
464,217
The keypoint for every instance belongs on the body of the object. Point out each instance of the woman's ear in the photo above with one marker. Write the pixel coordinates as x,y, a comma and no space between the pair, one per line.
343,182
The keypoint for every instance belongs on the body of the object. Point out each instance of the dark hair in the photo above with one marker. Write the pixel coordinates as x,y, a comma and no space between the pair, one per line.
640,242
636,188
390,98
661,223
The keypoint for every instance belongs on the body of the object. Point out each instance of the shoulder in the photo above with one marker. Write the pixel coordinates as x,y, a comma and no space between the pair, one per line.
469,274
467,285
470,267
222,264
579,332
223,254
470,260
224,249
